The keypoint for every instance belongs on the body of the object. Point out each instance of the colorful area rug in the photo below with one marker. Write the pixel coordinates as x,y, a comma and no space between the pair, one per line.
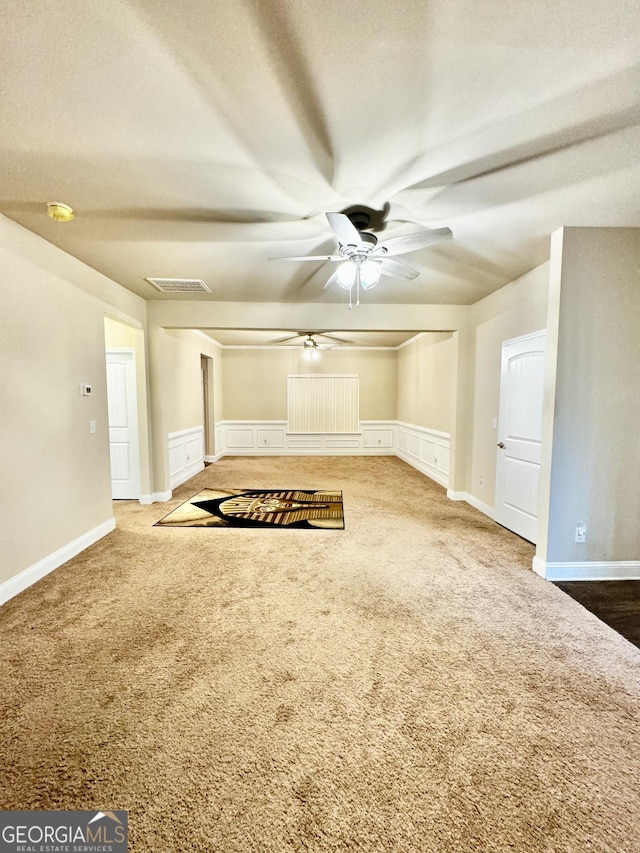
292,508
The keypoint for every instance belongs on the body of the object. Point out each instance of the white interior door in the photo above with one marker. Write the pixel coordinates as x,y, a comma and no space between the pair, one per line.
520,434
123,424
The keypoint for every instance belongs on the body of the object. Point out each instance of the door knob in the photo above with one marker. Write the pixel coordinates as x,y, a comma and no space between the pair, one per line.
501,445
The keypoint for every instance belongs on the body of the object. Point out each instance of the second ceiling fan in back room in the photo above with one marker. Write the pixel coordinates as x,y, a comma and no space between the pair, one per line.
363,259
311,345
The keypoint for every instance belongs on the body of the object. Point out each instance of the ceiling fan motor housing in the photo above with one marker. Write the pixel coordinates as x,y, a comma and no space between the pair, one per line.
360,219
369,238
364,217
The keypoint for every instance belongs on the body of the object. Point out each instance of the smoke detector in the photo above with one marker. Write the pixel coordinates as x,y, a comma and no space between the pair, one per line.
59,212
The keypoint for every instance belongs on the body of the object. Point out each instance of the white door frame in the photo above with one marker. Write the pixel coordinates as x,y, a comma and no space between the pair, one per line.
518,454
130,488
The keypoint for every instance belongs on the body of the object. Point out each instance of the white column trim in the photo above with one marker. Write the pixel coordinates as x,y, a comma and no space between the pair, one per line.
156,497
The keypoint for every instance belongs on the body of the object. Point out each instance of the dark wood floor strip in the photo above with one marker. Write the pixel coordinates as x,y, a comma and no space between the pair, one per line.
616,603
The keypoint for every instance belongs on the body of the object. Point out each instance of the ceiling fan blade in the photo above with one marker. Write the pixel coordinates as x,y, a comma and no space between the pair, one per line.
398,269
284,340
332,280
345,230
331,338
311,258
411,242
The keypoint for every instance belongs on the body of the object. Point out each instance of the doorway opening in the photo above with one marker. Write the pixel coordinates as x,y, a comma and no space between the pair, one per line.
206,374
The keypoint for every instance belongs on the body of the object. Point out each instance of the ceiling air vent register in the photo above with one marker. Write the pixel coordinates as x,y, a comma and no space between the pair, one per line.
179,285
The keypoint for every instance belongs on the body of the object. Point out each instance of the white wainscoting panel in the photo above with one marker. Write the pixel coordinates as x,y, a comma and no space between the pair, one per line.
240,438
271,438
425,449
344,443
376,437
311,443
219,440
186,454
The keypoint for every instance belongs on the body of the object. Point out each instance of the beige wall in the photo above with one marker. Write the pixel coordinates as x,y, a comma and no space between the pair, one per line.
591,465
518,309
181,387
56,474
426,381
255,381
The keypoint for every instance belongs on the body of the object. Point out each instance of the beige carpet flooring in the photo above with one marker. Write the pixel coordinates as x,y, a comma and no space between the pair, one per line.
406,684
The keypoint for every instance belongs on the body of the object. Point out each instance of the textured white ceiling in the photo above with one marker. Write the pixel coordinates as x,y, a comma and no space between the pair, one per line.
197,139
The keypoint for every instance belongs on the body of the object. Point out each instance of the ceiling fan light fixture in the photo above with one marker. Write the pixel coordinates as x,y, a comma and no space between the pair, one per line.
59,212
310,348
369,274
346,275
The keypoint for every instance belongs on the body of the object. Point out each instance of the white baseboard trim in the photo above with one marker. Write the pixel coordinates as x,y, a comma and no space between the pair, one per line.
484,508
43,567
215,458
156,497
589,571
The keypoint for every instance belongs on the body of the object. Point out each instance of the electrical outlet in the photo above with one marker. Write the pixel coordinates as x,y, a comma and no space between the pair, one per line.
482,482
581,533
92,427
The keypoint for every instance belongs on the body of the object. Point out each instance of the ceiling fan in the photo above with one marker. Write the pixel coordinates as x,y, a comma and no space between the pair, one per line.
310,345
363,259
